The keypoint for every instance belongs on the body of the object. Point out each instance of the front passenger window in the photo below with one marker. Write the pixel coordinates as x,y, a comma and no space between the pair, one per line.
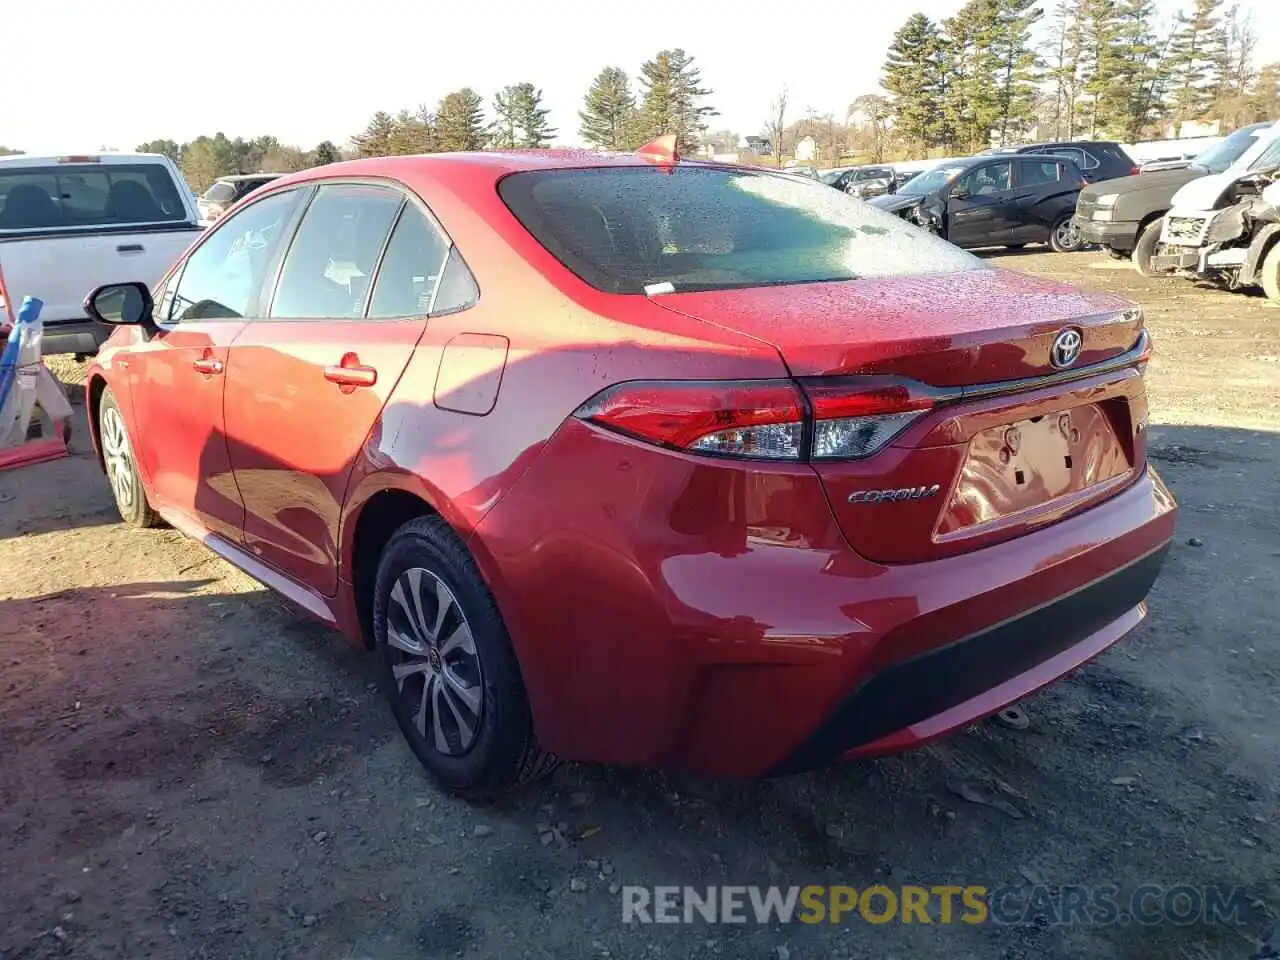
221,278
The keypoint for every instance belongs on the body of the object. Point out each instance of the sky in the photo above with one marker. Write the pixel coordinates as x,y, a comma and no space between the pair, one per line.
127,71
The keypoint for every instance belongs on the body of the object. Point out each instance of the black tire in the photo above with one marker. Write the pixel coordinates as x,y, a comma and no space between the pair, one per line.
1145,248
1065,236
1015,246
121,466
1115,254
485,758
1271,273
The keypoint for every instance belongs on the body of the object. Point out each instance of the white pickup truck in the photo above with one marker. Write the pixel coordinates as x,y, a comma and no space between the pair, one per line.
71,223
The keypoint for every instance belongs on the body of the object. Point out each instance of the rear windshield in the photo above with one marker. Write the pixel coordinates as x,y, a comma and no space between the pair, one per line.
875,173
224,191
630,229
87,195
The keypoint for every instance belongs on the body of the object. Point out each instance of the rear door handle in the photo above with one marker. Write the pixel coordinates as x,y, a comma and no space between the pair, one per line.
207,365
129,248
351,373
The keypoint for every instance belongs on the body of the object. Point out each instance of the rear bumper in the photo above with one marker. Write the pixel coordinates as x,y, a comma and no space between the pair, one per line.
676,612
917,700
73,336
1120,236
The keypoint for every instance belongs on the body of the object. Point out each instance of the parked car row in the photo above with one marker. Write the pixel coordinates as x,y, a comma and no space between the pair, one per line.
1217,219
999,198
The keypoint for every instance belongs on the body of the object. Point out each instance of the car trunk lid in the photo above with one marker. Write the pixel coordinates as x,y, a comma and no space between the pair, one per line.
1013,441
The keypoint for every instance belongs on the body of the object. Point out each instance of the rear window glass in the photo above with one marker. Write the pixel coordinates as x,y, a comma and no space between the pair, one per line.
224,191
34,198
246,187
625,229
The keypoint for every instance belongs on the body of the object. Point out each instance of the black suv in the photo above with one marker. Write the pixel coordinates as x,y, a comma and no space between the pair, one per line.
989,201
1097,159
1124,215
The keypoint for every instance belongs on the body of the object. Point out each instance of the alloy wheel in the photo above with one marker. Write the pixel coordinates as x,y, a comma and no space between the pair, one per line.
1067,234
118,457
434,663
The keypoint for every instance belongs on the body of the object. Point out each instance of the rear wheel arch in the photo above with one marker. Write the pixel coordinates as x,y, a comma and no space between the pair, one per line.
378,518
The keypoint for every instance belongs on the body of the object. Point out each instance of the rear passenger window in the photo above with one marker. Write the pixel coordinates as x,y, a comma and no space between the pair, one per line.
410,268
1037,172
330,264
457,289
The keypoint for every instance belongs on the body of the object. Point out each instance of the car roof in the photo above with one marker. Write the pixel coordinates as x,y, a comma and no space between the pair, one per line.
1031,147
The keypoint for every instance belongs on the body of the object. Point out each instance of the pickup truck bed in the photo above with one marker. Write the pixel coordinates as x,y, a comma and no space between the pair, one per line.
69,224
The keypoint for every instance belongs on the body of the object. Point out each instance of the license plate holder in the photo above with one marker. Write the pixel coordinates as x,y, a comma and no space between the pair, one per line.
1028,464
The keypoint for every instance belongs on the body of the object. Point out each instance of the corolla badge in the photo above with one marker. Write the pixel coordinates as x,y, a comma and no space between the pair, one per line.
889,496
1066,348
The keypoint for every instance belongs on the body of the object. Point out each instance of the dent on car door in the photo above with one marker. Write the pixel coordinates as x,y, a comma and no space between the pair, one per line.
177,375
978,216
310,379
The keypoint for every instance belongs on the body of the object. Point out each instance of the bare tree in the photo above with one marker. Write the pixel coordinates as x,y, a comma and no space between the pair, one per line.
776,127
873,110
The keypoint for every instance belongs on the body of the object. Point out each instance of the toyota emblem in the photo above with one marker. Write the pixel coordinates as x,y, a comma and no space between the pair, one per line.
1066,348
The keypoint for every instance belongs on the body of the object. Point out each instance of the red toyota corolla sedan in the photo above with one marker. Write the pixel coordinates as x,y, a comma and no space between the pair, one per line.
642,461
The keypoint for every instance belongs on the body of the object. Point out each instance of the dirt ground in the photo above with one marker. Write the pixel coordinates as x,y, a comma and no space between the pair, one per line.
189,769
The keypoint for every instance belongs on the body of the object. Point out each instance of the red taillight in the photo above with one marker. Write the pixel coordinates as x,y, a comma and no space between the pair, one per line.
746,419
855,418
763,419
1135,171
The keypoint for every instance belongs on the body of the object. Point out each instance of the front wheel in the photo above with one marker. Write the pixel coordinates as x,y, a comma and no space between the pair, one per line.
122,466
1147,246
1065,236
1271,273
448,667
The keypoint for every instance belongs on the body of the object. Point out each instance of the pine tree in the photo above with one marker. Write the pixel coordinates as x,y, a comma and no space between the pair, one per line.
460,121
1064,69
536,132
1097,31
910,75
673,97
1017,66
609,114
970,66
1139,100
377,137
1195,59
504,130
324,153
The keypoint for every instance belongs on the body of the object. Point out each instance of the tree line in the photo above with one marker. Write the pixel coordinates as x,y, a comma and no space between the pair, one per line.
1000,70
615,115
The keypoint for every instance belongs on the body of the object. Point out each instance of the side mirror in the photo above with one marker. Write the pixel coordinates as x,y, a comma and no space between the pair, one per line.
121,304
960,193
